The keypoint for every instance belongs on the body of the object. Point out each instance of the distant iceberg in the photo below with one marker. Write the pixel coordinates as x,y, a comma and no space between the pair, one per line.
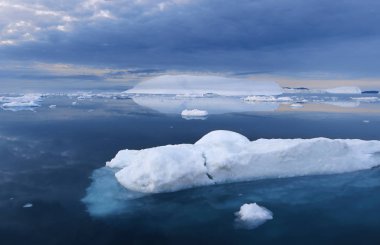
194,113
24,102
258,98
204,85
344,90
225,156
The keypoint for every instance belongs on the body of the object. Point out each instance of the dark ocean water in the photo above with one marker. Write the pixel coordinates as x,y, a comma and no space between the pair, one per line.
50,157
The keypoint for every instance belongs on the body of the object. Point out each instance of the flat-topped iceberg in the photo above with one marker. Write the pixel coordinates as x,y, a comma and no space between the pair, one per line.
344,90
203,85
225,156
194,113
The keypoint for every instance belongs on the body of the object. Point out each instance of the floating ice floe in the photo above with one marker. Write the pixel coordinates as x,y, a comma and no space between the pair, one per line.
18,103
27,205
194,114
191,85
252,215
52,106
344,90
225,156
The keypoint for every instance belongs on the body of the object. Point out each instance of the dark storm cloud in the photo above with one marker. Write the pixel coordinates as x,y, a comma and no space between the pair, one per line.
270,35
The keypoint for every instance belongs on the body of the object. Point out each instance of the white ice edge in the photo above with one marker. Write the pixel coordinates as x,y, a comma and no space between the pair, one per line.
225,157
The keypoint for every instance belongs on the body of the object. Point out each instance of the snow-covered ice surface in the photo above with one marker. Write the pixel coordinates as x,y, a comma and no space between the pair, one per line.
252,215
225,156
203,85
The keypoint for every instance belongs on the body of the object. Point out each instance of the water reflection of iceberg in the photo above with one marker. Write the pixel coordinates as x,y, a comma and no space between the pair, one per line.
213,105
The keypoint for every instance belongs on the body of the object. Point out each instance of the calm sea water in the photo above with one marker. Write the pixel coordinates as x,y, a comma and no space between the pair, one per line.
50,158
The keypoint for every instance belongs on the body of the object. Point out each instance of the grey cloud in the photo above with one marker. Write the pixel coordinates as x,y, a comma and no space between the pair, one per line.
246,35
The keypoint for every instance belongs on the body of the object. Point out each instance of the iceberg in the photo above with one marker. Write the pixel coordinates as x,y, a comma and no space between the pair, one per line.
252,215
344,90
25,102
204,85
194,113
256,98
225,156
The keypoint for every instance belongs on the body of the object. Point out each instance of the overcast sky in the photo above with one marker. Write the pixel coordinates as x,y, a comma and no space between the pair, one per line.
320,38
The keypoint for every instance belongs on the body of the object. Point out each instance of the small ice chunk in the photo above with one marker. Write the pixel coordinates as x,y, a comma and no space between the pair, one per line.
194,113
252,215
366,121
52,106
28,205
74,103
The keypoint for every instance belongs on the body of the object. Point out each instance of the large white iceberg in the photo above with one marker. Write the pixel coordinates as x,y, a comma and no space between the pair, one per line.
203,85
344,90
225,156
